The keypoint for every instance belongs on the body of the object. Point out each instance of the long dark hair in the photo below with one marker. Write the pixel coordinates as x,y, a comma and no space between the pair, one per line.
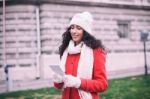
88,39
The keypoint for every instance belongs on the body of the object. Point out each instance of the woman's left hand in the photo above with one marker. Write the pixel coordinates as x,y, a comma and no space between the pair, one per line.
71,81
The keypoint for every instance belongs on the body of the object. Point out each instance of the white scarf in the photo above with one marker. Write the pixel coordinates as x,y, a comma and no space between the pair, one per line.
85,65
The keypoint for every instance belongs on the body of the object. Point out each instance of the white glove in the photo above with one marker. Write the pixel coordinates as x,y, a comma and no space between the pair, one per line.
57,78
71,81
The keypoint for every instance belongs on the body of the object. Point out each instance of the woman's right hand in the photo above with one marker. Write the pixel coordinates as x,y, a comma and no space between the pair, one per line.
57,78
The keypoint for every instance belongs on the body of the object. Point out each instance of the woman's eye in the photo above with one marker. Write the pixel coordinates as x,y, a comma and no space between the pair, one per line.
79,28
72,27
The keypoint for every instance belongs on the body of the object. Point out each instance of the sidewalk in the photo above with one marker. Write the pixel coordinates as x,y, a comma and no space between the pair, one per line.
23,85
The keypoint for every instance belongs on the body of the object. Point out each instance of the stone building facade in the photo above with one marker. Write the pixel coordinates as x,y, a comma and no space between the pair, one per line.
33,30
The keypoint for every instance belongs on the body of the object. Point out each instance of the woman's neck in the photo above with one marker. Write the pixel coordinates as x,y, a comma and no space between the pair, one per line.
75,43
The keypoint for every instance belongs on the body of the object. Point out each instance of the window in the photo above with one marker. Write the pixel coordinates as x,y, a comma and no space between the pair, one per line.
123,29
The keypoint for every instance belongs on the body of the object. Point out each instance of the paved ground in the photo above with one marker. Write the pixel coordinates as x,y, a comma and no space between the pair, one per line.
23,85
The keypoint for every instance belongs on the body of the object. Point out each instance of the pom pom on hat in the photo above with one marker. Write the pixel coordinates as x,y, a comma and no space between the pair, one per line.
84,20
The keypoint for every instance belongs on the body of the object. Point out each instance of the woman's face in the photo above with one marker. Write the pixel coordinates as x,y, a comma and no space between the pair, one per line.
76,33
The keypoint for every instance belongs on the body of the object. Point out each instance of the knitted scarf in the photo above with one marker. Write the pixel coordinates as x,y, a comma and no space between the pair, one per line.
85,65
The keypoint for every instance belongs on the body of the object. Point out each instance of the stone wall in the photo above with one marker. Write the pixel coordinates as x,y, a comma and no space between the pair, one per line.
22,41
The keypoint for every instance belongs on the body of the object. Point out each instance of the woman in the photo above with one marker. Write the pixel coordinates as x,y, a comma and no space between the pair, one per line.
82,60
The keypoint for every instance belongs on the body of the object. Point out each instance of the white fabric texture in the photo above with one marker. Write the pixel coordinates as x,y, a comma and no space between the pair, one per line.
84,20
71,81
74,49
85,65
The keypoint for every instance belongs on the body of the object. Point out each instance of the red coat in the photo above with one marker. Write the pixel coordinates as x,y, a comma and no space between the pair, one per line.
99,79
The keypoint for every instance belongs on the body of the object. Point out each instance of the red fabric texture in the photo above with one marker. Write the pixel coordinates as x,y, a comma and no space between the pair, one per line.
94,86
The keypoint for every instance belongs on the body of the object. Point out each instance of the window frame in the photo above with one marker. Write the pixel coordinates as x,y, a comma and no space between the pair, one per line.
123,28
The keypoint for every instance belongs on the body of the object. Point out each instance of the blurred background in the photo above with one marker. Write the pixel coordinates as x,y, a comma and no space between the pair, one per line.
30,34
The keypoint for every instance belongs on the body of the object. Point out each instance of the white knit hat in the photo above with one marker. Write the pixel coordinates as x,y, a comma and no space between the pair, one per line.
84,20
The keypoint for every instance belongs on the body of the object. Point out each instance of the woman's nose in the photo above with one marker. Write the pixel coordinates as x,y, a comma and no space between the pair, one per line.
74,30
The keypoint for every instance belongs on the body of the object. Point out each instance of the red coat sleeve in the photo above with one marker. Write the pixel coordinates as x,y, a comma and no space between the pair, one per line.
58,85
99,79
